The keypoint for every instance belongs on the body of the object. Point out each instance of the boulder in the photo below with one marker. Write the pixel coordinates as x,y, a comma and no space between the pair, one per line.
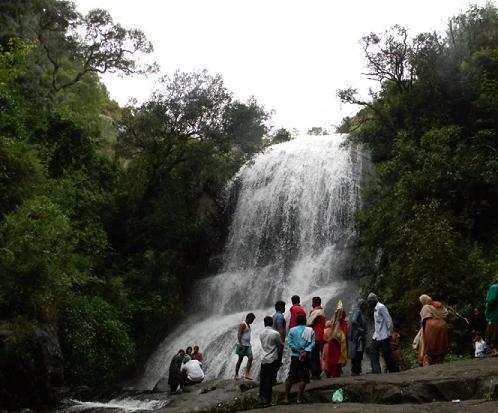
461,386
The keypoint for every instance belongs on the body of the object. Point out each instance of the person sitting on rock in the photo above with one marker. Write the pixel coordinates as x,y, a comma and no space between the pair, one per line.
197,355
188,355
192,372
175,378
300,340
480,346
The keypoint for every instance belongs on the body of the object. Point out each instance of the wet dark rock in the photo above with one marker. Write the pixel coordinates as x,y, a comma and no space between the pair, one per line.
31,369
474,406
474,383
465,380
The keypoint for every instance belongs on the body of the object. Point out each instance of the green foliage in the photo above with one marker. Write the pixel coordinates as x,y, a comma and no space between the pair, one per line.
21,170
107,214
244,123
38,261
429,224
180,148
96,345
281,135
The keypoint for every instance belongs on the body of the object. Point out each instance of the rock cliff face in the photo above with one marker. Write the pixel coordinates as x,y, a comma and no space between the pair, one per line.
462,386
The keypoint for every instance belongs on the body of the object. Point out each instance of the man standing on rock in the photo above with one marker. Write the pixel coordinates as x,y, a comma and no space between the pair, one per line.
271,343
492,318
301,340
380,339
244,348
358,336
279,325
295,310
316,321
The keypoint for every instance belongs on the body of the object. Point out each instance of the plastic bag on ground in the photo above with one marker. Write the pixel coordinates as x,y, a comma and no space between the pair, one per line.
338,396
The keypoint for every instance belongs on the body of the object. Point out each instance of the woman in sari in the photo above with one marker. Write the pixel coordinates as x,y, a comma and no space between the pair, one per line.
434,332
335,349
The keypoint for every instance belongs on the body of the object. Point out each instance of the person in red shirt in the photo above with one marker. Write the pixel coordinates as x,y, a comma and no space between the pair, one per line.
317,321
295,310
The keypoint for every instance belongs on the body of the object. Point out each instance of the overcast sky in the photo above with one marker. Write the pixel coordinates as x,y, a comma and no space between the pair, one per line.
292,55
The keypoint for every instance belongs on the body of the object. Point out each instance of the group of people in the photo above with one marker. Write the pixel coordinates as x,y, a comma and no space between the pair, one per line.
432,340
321,346
185,369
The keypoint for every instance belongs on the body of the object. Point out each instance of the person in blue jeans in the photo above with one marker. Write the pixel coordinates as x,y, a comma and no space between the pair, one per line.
300,340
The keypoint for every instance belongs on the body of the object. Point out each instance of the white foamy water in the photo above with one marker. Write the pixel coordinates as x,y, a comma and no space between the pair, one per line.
125,405
291,233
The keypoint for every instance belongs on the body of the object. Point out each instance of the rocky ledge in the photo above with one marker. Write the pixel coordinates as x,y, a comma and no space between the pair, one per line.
460,386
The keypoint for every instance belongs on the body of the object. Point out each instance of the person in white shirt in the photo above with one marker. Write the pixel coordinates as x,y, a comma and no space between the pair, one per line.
480,346
192,371
383,324
271,343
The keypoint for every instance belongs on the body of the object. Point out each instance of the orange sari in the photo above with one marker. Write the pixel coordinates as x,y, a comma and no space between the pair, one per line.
435,342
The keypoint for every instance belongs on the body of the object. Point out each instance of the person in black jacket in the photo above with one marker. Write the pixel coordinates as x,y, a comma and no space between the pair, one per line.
358,337
175,378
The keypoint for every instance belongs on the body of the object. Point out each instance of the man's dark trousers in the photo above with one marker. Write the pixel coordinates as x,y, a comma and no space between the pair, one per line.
384,347
267,375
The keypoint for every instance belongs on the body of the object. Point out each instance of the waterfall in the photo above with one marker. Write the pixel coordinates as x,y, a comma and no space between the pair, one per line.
291,233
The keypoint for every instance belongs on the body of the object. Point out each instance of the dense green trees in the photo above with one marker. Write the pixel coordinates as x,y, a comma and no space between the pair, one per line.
107,213
430,222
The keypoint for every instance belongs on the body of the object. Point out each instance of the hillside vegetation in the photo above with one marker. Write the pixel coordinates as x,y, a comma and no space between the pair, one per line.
430,219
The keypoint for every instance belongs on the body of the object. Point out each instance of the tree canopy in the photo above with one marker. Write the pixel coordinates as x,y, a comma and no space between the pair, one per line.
429,222
107,213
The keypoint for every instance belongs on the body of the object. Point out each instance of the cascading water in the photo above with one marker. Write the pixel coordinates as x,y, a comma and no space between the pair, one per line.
291,233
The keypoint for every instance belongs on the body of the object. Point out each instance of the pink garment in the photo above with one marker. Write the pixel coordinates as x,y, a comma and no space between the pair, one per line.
198,356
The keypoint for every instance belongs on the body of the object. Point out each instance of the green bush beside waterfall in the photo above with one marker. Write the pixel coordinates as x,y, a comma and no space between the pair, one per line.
430,219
